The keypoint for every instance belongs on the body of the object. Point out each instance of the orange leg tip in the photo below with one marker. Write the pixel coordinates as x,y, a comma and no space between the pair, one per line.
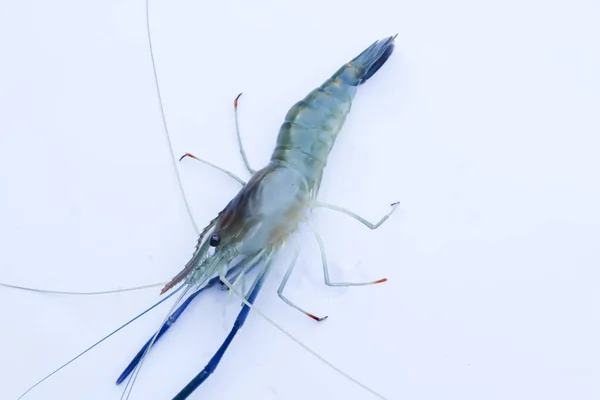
380,281
188,155
317,318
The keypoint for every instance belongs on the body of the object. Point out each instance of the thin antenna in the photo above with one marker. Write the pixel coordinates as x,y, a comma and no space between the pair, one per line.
100,341
172,154
131,289
164,120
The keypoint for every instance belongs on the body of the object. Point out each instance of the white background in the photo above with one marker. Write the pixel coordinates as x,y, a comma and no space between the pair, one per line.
484,124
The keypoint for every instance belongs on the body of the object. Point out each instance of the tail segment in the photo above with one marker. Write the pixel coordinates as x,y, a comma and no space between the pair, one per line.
374,57
367,63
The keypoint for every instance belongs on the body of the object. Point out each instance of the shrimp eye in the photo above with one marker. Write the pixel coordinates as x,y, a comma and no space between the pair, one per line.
215,240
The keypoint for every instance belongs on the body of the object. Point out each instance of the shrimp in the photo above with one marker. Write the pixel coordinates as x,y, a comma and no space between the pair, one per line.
268,209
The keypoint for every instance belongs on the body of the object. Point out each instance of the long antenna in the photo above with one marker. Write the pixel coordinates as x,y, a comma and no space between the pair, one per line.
164,120
298,342
111,291
174,161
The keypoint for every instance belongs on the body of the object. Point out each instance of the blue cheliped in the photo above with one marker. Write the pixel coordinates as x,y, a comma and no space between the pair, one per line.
214,361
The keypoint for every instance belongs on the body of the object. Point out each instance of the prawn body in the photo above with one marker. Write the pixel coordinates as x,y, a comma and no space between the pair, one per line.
267,210
271,205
